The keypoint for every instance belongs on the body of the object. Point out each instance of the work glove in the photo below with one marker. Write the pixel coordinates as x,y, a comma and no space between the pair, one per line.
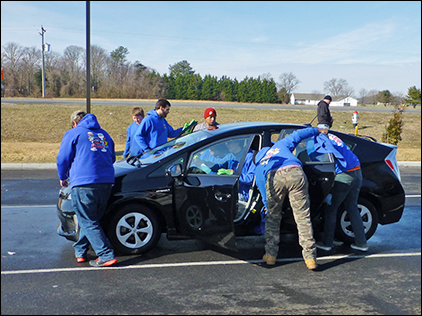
225,172
188,124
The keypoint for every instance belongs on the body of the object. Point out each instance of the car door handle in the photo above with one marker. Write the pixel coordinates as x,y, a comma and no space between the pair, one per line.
221,197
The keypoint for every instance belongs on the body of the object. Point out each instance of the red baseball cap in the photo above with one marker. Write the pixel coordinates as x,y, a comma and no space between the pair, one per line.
209,112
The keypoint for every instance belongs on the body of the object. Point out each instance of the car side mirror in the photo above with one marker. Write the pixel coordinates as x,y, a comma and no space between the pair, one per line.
175,171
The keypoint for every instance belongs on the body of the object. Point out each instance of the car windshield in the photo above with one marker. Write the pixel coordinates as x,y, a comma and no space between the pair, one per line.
173,146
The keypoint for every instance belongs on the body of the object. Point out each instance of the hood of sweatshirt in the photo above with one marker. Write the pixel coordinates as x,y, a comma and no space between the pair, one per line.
89,121
152,112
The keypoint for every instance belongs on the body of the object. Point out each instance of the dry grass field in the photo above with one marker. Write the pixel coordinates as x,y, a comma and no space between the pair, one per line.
33,133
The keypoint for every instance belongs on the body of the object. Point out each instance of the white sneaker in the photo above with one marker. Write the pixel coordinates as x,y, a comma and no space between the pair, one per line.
361,248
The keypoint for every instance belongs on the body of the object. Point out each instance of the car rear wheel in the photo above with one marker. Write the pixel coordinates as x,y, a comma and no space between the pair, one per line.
369,217
135,229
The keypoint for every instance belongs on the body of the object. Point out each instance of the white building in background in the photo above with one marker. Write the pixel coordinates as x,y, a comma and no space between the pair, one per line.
313,99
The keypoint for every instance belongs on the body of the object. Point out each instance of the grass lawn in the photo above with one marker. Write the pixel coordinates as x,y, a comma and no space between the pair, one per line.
33,133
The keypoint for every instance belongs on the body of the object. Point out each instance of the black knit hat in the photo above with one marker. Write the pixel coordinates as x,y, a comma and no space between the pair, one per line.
327,97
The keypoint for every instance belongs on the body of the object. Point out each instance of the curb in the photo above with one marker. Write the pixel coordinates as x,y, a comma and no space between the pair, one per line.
52,166
28,166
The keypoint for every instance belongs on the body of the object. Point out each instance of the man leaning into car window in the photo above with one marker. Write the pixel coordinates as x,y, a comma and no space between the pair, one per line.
86,156
279,174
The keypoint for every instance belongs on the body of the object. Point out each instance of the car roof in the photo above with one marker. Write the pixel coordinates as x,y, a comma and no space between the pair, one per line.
223,128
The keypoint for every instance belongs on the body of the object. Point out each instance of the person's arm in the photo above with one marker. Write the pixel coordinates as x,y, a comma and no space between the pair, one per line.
173,132
297,136
140,138
248,170
65,158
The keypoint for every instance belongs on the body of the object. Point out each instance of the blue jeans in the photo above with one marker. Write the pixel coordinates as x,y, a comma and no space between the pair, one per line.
90,202
346,189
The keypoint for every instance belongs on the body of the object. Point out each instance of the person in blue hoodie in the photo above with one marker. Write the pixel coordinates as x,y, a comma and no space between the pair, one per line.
132,147
346,188
154,129
86,158
279,174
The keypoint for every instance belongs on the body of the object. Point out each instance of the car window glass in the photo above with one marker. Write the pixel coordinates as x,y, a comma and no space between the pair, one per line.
275,137
305,150
172,147
221,158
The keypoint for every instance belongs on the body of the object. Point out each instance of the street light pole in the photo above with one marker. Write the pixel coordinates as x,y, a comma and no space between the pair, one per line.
43,67
88,58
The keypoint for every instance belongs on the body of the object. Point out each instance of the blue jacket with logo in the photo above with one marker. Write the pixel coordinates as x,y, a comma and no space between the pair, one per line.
154,131
344,158
86,154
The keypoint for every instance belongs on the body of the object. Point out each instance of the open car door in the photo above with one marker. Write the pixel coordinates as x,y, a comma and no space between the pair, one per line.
207,193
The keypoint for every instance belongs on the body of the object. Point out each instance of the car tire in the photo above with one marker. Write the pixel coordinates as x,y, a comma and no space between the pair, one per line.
135,229
344,231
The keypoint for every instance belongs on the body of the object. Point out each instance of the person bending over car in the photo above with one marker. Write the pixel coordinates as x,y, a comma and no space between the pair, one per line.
86,157
279,174
346,188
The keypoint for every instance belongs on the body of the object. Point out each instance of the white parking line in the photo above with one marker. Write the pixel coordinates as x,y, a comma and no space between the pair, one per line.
208,263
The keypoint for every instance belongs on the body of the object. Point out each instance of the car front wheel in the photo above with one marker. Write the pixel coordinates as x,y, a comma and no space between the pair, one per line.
135,229
369,217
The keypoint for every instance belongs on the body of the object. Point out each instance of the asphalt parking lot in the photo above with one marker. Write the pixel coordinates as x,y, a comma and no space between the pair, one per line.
40,275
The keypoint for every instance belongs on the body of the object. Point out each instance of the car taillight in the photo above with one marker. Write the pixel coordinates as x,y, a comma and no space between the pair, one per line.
391,161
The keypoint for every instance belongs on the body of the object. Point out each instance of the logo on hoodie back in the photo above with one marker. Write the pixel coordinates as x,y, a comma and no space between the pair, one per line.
98,141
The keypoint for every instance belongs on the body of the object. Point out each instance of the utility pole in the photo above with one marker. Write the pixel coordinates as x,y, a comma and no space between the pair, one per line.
43,67
88,58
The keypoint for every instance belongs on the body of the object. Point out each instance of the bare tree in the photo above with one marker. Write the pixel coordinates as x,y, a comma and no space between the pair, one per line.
11,56
98,66
31,58
289,82
372,96
362,95
347,91
337,87
398,97
74,60
54,73
266,76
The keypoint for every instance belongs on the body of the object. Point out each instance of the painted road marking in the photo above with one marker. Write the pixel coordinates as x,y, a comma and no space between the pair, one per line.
207,263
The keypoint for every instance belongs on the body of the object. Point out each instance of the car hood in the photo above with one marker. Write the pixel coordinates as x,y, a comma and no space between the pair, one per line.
121,167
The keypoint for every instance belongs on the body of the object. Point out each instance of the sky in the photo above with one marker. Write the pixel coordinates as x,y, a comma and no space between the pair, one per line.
373,45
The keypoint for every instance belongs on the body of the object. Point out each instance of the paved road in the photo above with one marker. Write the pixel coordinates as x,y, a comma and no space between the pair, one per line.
39,274
203,104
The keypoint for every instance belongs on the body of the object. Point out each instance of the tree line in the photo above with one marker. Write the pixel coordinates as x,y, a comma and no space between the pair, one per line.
113,76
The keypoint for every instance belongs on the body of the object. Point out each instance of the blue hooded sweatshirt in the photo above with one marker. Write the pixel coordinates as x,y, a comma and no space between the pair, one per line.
154,131
279,155
132,146
86,154
344,158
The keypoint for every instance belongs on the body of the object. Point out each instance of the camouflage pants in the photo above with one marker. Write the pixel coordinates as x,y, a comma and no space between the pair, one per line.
291,182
